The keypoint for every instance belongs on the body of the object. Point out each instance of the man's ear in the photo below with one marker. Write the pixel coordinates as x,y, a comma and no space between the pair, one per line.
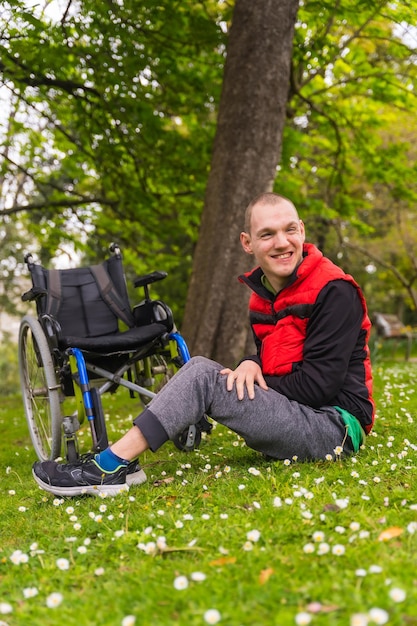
302,230
245,240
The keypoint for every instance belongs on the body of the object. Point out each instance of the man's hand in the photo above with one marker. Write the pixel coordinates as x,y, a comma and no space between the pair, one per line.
245,375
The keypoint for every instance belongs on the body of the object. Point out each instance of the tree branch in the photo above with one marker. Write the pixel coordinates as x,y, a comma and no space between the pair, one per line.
26,78
407,284
62,204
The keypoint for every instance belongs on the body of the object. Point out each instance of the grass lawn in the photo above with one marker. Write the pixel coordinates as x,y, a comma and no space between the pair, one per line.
219,535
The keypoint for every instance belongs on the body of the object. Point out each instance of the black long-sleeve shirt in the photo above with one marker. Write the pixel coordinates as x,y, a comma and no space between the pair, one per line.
332,371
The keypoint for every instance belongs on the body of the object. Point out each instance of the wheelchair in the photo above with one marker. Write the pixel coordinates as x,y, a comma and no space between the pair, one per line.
86,341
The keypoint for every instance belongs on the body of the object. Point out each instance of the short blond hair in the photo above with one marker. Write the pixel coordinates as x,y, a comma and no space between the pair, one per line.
267,197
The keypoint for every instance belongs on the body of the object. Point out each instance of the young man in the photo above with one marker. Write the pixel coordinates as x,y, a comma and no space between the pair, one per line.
307,393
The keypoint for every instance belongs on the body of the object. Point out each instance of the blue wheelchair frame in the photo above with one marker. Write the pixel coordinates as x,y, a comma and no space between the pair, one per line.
89,408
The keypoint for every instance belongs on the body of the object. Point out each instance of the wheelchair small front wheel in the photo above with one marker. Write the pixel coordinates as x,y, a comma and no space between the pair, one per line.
72,453
40,390
189,439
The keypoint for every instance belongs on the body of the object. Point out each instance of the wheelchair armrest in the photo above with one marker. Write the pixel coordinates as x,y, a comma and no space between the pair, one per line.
34,294
153,312
147,279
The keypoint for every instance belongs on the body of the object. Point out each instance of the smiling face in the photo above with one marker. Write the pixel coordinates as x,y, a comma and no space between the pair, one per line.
276,236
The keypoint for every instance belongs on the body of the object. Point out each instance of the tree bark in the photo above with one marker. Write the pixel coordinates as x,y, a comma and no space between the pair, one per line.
246,151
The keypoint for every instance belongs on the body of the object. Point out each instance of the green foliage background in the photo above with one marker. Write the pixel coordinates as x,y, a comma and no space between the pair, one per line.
108,135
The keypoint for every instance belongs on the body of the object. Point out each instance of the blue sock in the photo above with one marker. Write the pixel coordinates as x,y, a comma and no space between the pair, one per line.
108,461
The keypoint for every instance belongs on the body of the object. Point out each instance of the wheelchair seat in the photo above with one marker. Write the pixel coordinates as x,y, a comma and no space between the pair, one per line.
125,341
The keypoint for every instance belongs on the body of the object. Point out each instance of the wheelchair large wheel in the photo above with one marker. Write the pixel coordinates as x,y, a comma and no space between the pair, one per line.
40,390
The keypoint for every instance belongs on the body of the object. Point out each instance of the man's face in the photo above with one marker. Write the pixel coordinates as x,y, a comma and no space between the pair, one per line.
276,240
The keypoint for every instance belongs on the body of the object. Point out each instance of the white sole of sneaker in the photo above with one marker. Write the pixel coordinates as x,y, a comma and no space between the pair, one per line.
92,490
137,478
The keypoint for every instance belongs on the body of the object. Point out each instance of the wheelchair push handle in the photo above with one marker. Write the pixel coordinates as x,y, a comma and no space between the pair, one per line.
140,281
115,250
28,259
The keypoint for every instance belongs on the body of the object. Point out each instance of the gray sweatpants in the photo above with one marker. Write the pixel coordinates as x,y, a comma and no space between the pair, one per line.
270,423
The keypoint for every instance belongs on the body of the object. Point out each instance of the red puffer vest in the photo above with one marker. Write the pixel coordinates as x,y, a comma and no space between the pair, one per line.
281,325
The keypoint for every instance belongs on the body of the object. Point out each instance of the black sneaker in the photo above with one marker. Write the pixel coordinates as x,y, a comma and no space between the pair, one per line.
135,474
76,479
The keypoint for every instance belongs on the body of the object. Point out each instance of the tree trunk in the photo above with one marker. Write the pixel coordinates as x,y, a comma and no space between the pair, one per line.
246,151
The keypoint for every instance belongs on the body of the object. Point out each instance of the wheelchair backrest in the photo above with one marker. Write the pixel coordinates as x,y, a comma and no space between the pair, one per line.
86,301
